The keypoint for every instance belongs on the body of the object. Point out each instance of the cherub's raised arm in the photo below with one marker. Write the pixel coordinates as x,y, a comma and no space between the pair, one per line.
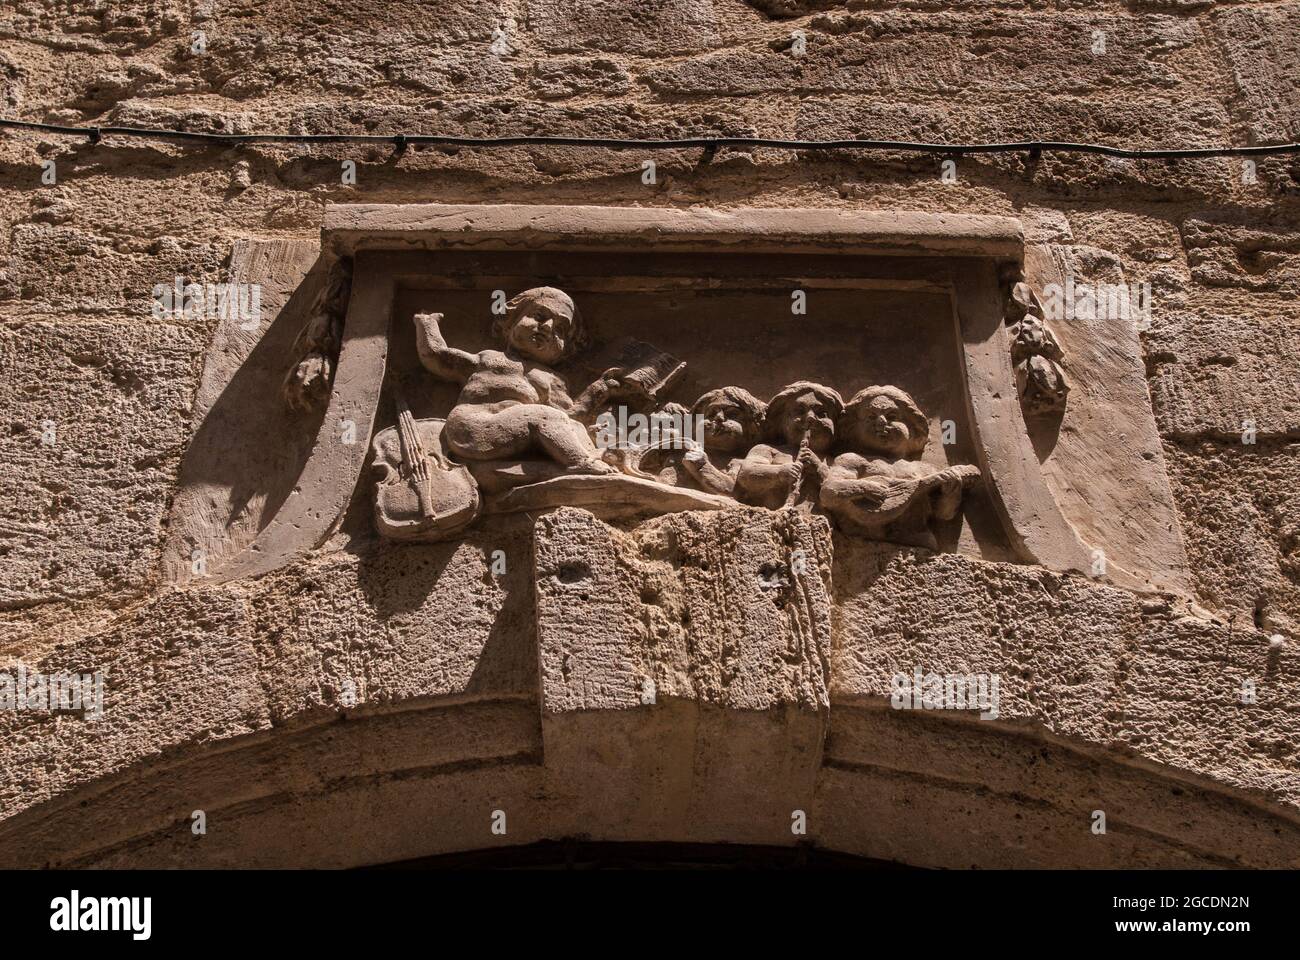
444,362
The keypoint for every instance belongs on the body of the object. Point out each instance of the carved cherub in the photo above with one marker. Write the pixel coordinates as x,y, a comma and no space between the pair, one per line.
655,447
733,420
878,489
513,402
800,423
1036,355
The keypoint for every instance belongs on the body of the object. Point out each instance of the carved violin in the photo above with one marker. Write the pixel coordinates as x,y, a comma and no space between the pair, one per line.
420,493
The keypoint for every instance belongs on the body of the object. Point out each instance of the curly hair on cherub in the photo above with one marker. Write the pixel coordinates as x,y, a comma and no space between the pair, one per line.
829,398
909,414
744,401
552,299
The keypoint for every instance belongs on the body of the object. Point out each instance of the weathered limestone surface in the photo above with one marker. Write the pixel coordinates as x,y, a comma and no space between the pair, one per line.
231,693
563,78
1256,253
472,694
704,615
113,274
353,226
1104,463
228,489
1144,121
1257,42
665,26
729,609
948,54
1243,528
1122,671
95,421
1218,375
1014,804
391,630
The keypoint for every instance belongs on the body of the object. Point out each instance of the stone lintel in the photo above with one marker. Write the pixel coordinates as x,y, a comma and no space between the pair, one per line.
351,227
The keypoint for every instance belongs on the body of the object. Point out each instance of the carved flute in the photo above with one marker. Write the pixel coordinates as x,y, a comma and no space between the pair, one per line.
796,485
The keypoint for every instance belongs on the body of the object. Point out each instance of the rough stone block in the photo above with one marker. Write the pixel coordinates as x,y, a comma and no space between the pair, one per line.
699,648
1214,375
627,26
1117,669
1240,508
51,264
454,72
1147,121
1096,313
80,516
1255,252
1009,799
1262,47
621,620
950,55
402,625
399,624
180,671
571,77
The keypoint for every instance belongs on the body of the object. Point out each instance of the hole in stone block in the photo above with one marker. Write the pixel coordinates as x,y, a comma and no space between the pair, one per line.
573,571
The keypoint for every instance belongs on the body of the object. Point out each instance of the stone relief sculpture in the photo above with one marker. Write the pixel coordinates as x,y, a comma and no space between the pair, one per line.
308,382
420,493
515,439
513,402
523,420
732,421
514,422
877,488
1035,354
801,429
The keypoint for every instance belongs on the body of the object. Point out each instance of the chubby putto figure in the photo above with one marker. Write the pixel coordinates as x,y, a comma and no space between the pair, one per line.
732,420
800,424
878,488
512,402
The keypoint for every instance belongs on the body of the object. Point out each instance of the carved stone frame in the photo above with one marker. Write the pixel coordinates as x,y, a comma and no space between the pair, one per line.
967,257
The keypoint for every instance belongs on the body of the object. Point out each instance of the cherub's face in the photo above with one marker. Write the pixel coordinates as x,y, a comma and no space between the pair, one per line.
725,426
807,414
541,333
882,426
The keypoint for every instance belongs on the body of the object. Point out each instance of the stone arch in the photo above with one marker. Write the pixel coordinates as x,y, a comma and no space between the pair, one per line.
420,780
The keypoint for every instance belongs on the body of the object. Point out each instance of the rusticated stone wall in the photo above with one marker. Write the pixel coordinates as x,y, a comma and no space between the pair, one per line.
82,516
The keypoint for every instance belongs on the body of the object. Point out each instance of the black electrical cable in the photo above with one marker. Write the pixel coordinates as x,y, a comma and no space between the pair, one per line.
401,141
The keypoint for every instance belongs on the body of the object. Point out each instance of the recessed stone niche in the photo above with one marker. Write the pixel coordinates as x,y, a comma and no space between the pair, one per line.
1047,421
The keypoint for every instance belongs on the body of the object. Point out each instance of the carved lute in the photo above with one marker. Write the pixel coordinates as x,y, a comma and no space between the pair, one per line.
890,497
